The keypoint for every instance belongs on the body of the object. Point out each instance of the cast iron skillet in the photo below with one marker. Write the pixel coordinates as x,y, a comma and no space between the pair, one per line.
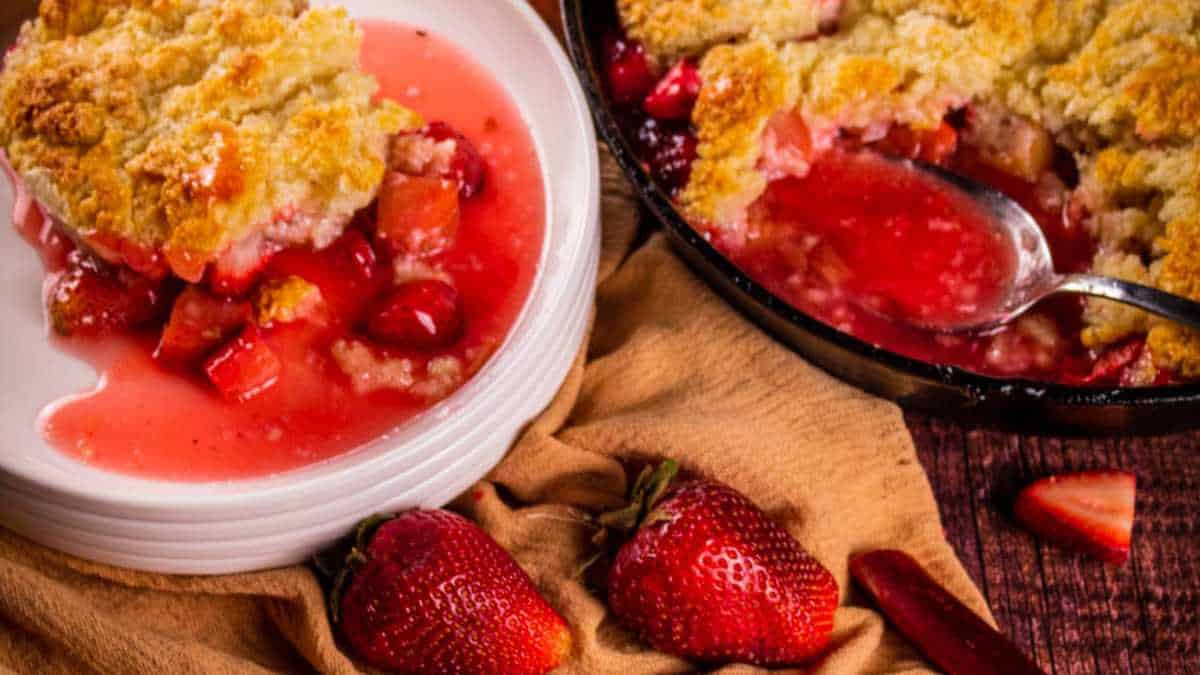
944,390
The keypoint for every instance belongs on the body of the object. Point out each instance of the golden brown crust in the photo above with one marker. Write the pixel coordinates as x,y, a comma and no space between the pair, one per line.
673,28
180,127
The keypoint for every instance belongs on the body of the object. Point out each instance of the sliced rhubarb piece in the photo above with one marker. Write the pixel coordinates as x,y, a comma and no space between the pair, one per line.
675,94
418,216
933,146
239,269
1091,511
946,631
245,367
467,167
92,298
419,314
628,70
199,323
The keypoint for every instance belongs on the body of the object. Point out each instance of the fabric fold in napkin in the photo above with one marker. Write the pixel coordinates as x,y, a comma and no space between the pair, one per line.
671,371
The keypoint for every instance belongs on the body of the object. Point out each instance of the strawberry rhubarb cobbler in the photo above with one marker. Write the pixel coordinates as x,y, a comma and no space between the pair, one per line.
255,228
769,121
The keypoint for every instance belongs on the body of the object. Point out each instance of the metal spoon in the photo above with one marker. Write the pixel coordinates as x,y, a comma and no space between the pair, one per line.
1034,278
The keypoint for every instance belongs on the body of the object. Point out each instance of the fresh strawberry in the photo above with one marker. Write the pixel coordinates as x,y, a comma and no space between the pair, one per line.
418,216
1091,511
429,592
467,167
627,66
93,298
245,367
708,576
422,314
199,322
952,636
675,94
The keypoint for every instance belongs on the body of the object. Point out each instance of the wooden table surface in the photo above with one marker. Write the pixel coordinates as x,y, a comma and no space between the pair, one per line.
1074,615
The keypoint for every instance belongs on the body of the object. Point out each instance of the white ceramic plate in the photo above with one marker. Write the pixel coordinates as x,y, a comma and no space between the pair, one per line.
233,526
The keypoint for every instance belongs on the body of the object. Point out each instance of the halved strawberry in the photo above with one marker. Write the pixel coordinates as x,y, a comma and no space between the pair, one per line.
952,636
199,322
627,66
92,298
675,94
418,216
419,314
245,367
467,167
1091,511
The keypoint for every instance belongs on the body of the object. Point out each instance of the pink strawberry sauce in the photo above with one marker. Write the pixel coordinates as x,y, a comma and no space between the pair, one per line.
146,420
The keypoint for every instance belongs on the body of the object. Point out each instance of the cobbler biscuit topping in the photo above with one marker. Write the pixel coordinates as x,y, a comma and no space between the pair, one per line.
167,134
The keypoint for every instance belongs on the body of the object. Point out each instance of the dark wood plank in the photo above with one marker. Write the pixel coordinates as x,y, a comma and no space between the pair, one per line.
1076,616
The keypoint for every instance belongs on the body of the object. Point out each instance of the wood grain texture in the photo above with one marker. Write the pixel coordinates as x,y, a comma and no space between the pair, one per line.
1076,616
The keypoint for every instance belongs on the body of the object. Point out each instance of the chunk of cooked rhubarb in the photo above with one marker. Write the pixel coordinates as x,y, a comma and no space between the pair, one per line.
245,367
1009,142
1091,511
418,216
946,631
198,324
933,146
92,298
239,269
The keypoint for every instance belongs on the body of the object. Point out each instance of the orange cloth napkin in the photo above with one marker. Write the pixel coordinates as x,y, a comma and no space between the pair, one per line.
670,371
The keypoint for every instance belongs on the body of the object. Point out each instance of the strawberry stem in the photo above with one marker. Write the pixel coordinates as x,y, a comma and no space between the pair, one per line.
337,563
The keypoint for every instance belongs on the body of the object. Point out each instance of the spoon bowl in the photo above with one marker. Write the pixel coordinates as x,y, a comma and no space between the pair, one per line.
1034,277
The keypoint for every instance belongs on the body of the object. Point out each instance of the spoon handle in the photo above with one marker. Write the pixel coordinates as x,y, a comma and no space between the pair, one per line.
1152,300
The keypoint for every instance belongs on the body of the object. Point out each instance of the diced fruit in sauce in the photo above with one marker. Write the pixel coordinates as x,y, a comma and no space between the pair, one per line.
245,367
1009,142
417,216
933,146
787,147
1090,511
348,273
945,630
91,298
630,76
898,242
240,268
675,94
670,148
419,314
199,322
467,167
